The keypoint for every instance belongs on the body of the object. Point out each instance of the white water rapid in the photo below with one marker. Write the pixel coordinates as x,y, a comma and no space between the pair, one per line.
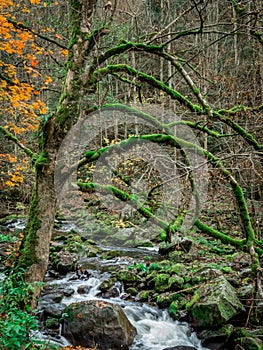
156,330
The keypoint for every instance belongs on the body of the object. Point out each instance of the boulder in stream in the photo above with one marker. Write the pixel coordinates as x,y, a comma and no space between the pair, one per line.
214,303
98,323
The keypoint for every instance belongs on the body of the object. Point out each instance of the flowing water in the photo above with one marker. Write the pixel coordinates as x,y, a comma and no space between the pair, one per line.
156,330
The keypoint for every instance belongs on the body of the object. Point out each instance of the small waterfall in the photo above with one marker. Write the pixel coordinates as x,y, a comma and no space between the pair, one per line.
156,330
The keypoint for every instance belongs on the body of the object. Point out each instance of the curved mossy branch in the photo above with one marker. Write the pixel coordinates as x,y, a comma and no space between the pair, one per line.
208,110
133,201
157,50
135,112
180,143
12,137
204,107
200,127
142,77
121,48
240,244
248,137
127,81
164,126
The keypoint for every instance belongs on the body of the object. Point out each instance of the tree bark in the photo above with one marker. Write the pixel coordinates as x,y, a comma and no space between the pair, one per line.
34,254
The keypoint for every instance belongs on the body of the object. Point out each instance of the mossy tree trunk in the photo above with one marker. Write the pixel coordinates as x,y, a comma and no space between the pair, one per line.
37,234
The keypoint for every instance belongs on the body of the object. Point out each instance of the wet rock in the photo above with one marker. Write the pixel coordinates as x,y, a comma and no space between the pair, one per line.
68,292
216,339
107,284
132,291
64,262
54,297
54,310
84,289
98,323
214,303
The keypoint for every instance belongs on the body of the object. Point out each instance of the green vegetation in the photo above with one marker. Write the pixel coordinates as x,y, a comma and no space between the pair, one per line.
16,320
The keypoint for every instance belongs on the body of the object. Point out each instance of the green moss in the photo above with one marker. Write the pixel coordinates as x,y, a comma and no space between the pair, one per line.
195,299
28,254
175,282
161,282
110,69
173,309
178,269
164,299
144,295
127,276
41,160
226,269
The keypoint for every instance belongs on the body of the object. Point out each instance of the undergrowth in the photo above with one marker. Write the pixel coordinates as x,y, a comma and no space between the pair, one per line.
17,322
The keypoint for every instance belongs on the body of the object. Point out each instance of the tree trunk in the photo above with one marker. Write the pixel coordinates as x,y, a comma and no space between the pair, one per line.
37,234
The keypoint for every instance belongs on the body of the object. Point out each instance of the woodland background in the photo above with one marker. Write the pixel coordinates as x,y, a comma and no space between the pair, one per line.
218,42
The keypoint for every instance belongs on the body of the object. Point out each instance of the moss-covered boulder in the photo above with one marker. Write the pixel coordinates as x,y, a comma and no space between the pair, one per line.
127,276
175,283
98,323
178,269
214,303
161,282
217,339
64,262
107,284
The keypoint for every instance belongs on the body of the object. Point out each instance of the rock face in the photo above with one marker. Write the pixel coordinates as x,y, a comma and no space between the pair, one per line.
214,304
98,323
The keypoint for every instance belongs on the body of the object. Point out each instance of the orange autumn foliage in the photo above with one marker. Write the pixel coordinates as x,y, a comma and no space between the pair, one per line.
20,84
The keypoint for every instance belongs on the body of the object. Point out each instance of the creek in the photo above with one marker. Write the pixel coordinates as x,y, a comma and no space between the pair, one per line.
156,330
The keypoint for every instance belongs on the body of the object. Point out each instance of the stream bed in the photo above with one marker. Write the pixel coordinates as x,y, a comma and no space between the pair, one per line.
156,330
